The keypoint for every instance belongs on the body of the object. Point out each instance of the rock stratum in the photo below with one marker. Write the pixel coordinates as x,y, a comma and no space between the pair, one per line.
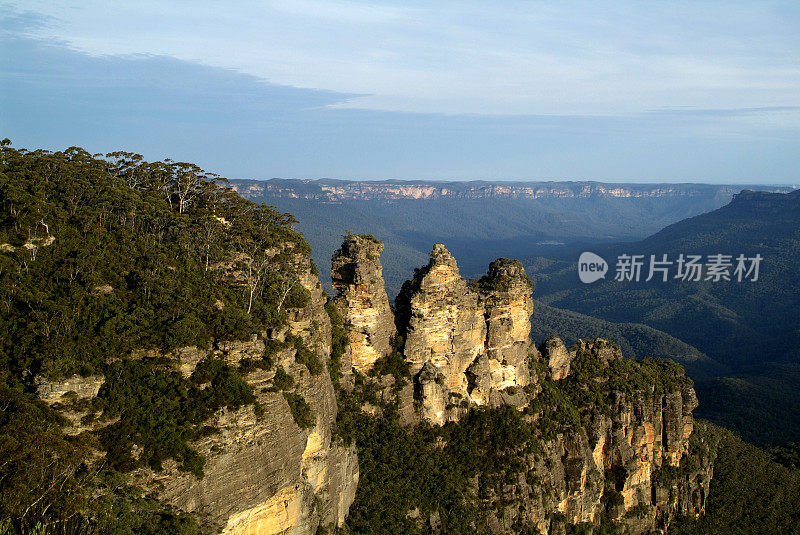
263,474
624,453
327,190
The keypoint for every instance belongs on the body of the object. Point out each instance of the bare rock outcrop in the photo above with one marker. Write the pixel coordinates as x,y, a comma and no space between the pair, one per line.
506,297
357,275
557,357
466,344
442,320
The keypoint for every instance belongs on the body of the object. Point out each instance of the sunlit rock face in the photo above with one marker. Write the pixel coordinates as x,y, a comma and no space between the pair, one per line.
630,462
476,336
445,323
508,306
557,357
465,343
263,474
357,275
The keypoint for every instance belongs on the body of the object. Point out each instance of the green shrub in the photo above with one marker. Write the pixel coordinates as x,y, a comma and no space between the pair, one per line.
282,380
301,410
393,364
338,342
305,356
160,411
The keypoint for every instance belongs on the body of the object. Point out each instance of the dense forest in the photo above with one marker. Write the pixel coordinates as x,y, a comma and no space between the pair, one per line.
101,256
750,491
729,321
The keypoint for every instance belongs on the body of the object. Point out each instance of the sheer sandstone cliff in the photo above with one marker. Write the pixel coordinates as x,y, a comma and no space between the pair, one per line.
626,454
263,473
467,344
358,277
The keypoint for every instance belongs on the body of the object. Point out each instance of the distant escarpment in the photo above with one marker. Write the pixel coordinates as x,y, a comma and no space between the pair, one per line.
341,190
566,436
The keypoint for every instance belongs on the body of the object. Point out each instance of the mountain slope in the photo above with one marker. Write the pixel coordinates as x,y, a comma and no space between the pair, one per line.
749,494
478,221
635,339
744,326
734,323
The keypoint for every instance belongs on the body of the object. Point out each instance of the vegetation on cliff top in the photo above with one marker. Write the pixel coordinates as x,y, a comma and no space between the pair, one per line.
104,258
101,256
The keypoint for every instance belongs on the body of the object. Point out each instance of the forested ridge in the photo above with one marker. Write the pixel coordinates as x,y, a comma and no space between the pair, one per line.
102,257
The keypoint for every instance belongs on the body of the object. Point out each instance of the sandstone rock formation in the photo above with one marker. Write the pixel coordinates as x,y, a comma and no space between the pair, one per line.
72,397
466,344
617,467
557,357
443,324
508,306
357,275
263,474
475,335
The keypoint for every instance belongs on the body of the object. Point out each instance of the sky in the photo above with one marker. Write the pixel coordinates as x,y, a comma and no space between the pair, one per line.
438,90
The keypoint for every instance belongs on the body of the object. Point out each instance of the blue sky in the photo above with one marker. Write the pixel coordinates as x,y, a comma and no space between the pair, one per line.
612,91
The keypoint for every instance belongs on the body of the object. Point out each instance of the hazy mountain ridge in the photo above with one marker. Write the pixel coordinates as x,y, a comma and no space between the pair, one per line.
745,326
337,190
747,313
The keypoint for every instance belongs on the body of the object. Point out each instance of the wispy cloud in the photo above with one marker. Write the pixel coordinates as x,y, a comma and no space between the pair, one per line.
514,58
441,102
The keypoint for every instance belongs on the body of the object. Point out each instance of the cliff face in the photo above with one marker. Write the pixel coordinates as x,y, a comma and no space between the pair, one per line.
612,439
340,190
263,473
631,462
362,301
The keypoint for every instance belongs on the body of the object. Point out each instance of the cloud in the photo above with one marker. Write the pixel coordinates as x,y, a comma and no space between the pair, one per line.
468,57
53,95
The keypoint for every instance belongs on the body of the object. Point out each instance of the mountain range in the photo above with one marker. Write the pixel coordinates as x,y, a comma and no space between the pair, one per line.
739,341
480,221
